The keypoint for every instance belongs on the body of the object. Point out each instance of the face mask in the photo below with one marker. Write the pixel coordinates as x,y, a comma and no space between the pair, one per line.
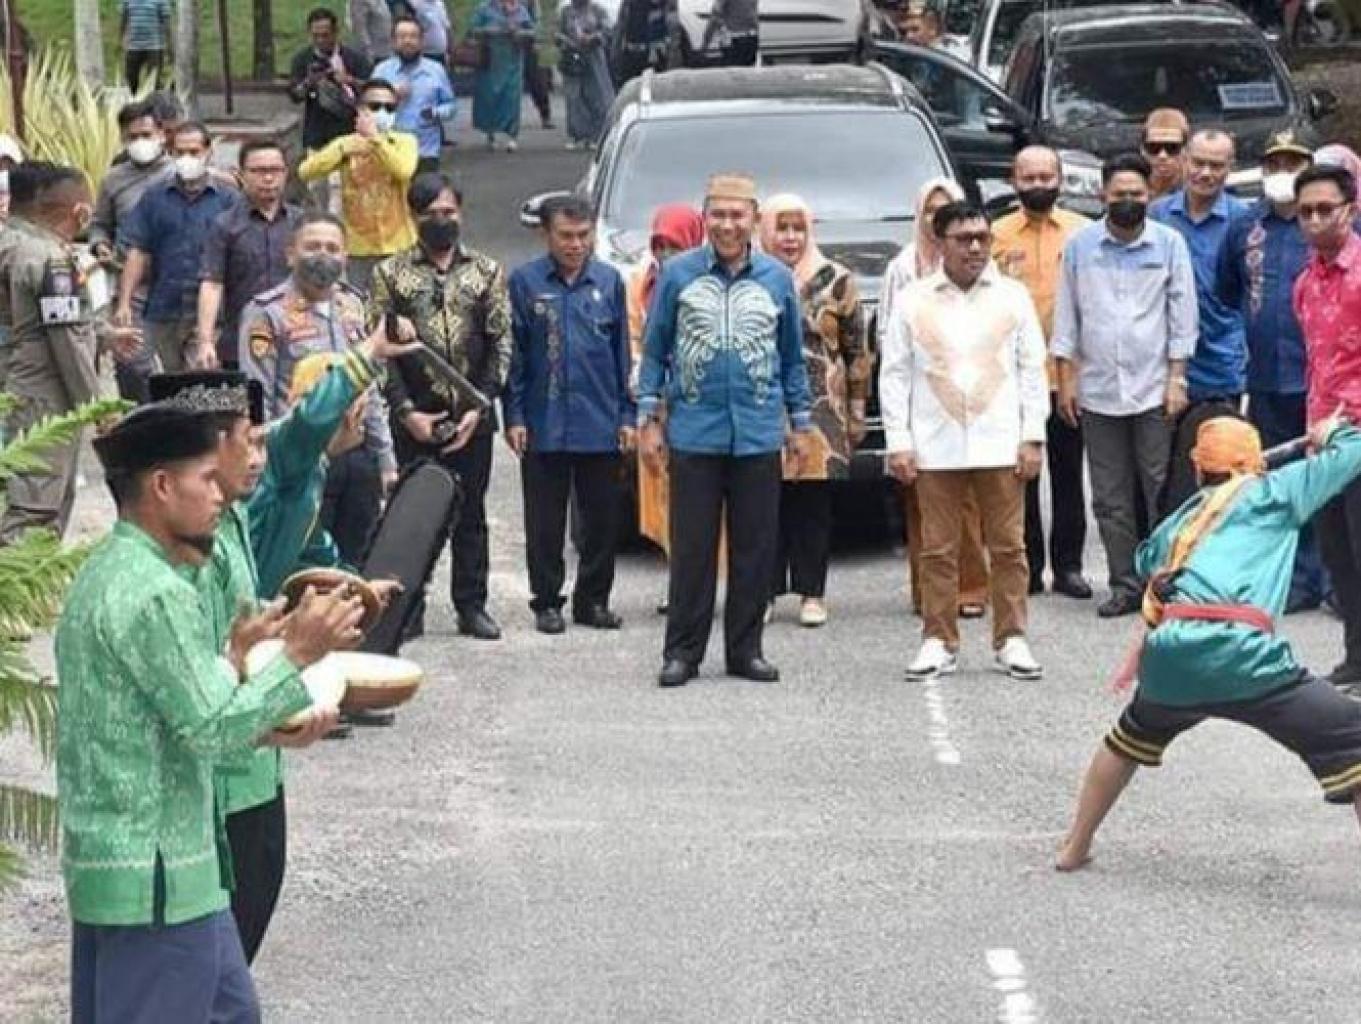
1039,200
318,271
439,235
1127,213
383,120
144,151
1280,187
191,168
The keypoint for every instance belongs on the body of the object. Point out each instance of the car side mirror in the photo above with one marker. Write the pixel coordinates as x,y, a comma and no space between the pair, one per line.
1321,103
1002,121
531,213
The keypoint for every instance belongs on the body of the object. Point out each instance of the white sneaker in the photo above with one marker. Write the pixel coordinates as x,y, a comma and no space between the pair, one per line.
933,660
1014,658
812,612
512,146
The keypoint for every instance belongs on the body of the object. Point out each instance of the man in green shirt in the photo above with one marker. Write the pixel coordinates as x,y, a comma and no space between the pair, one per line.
1218,574
271,480
149,702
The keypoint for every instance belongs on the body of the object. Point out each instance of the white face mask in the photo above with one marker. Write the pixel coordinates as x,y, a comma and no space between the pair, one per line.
144,151
1280,186
191,168
383,120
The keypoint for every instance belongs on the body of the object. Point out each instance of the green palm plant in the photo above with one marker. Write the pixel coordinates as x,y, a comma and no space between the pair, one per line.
34,573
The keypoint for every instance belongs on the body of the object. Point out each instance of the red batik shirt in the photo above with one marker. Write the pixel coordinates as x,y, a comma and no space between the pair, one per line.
1328,305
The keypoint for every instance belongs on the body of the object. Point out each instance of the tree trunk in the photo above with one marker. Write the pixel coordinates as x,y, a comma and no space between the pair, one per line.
186,55
262,66
89,42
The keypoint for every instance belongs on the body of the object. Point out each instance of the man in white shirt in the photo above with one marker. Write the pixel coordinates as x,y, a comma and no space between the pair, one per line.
964,398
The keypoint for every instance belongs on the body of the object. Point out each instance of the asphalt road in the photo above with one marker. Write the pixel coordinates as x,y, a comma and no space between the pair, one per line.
546,836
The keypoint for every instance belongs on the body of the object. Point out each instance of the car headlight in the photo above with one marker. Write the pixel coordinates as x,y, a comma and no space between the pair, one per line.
1081,173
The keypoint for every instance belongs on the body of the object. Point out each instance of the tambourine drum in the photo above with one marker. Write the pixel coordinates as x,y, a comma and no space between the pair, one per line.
406,545
323,581
375,681
325,681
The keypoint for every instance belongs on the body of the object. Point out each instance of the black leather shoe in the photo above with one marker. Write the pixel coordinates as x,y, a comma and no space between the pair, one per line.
478,625
676,673
1037,585
597,617
1118,604
758,670
549,620
1072,584
368,718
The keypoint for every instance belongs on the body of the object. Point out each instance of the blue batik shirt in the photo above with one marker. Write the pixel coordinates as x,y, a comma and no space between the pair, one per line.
724,354
569,369
1219,367
430,90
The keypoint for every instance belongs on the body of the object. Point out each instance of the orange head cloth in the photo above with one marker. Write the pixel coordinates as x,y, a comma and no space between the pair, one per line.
309,371
1227,444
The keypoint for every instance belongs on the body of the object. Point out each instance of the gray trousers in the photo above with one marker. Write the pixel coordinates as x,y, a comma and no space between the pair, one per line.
43,498
168,341
371,26
1127,457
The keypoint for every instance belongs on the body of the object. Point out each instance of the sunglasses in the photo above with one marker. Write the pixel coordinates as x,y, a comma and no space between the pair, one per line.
1319,211
391,108
1163,148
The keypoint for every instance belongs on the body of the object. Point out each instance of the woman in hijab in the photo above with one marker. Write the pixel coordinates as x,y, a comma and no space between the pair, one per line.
675,229
1337,155
839,362
921,258
503,29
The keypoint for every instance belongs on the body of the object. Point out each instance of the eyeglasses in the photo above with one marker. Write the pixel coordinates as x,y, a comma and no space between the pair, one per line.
1319,211
968,239
263,171
391,108
1163,148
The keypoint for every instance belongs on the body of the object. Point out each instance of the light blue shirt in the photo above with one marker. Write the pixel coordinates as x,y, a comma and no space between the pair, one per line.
1219,367
429,100
1124,311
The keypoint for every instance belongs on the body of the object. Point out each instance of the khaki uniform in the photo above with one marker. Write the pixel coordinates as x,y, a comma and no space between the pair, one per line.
51,368
13,231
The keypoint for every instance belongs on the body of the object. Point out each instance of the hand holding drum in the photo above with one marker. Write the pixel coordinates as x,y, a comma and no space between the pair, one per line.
320,624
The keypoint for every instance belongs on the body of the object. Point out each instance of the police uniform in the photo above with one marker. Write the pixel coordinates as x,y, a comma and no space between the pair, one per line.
278,329
14,230
51,369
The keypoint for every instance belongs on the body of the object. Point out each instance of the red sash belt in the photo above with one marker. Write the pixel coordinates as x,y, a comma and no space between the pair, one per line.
1243,614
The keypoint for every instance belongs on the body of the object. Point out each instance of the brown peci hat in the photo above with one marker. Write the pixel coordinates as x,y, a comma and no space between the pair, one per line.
1167,119
731,186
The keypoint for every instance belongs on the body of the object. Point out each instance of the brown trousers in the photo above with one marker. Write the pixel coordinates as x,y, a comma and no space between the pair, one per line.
1000,497
973,562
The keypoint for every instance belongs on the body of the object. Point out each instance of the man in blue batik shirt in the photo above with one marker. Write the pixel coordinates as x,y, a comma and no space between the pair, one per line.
1202,212
424,94
569,414
723,358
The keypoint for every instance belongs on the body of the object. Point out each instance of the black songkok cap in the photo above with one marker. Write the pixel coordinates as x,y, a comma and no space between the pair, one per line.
154,435
211,391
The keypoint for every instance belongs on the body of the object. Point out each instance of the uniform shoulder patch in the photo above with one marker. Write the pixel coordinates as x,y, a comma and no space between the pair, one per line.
59,299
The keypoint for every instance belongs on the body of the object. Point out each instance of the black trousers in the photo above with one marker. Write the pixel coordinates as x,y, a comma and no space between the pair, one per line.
258,838
1067,501
549,480
1180,482
351,502
701,486
471,467
1338,528
136,63
537,84
741,52
805,539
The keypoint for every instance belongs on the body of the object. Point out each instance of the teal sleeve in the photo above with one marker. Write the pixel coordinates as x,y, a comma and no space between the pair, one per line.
170,652
299,440
1306,486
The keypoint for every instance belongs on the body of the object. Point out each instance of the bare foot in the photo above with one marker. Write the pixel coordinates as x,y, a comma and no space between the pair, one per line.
1072,858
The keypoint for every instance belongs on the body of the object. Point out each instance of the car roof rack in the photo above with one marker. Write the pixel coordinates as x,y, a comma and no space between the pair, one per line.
645,87
894,83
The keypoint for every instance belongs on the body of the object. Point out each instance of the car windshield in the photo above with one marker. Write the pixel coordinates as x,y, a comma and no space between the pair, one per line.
1011,14
847,165
1230,79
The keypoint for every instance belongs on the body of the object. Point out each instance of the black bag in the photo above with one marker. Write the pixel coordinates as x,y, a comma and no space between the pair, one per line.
571,63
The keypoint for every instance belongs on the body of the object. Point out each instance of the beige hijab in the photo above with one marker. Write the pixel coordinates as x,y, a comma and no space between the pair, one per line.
926,249
812,259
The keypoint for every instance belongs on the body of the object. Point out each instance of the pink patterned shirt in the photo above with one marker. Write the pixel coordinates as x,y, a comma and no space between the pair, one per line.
1328,305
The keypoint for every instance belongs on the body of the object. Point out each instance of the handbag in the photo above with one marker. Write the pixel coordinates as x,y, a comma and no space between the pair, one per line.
571,63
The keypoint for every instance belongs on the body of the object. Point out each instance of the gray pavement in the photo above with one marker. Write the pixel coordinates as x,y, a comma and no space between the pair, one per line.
545,836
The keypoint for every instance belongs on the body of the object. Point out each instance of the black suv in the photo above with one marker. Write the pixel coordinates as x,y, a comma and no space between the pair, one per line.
855,142
1083,80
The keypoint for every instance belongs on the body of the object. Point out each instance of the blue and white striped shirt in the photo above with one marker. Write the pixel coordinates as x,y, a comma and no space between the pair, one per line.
146,21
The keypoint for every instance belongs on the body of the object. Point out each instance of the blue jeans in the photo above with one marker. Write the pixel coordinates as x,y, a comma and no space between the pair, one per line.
1280,418
190,973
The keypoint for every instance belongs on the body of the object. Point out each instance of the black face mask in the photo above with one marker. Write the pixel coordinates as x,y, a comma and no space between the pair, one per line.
1127,213
439,235
1038,200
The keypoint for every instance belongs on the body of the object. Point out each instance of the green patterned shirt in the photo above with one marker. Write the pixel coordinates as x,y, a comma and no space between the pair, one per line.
147,707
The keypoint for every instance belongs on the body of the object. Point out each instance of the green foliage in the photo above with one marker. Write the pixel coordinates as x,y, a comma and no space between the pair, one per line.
34,573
